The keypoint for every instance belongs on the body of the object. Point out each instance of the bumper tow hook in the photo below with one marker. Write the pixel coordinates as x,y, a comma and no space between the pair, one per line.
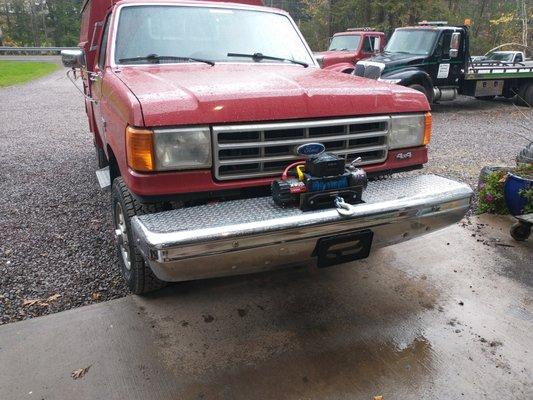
343,208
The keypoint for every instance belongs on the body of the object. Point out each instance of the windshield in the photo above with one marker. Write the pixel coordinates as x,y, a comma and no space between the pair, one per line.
411,41
501,56
345,42
204,33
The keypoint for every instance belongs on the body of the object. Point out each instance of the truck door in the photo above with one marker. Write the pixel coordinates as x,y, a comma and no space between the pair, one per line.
447,69
96,79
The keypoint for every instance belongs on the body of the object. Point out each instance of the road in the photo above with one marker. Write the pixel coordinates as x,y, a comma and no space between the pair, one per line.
448,316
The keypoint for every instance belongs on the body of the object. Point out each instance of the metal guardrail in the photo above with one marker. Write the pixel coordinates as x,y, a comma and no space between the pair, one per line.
33,50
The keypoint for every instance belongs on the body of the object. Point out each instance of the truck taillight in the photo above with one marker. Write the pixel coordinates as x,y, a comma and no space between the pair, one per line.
140,149
428,121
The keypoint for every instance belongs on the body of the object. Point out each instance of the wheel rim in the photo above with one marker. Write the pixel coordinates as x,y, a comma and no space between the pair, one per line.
121,235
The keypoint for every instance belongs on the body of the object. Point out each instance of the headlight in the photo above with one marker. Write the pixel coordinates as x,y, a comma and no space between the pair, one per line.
187,148
410,130
168,149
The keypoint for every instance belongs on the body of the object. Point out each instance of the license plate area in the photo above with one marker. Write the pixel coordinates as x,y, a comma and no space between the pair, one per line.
344,248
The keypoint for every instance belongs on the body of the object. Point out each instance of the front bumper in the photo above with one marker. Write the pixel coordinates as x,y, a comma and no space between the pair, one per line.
253,235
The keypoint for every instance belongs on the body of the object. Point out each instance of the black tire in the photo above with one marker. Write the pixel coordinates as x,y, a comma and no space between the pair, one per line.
520,232
101,159
138,275
422,89
524,97
485,98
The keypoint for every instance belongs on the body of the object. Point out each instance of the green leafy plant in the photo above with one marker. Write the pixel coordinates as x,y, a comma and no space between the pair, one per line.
491,197
491,190
528,195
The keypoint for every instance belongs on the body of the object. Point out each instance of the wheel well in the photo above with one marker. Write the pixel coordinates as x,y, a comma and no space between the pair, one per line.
114,170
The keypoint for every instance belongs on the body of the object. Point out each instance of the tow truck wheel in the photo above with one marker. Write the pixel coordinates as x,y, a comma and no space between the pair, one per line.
421,89
138,275
524,96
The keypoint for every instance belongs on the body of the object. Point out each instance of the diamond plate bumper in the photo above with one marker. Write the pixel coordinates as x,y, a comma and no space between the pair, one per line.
252,235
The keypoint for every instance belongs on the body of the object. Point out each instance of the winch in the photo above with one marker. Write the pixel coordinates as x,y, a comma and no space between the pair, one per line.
321,181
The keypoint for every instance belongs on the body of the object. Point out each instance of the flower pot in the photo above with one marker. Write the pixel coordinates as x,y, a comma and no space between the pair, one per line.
513,185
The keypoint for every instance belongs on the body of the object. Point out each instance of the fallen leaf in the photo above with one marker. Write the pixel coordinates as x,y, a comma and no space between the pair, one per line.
96,296
34,302
53,297
79,373
29,303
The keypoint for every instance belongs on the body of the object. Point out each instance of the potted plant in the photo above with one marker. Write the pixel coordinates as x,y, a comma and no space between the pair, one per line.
507,190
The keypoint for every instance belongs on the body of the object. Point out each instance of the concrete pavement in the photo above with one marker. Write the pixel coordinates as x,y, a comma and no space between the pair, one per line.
446,316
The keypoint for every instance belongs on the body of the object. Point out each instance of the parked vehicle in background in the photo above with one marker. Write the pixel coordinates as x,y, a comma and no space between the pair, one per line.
504,56
434,58
196,107
346,48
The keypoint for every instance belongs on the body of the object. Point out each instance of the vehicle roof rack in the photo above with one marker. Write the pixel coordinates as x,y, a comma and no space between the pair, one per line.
365,28
433,23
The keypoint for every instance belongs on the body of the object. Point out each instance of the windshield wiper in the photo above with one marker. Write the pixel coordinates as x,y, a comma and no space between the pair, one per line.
259,56
155,59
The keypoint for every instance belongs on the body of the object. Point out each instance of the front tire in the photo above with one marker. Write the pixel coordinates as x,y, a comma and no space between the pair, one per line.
138,275
524,97
423,90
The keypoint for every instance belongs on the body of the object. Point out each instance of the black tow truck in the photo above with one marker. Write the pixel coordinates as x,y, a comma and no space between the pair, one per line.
434,58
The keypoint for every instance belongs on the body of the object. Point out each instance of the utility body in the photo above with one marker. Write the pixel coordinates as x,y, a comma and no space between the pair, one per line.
196,107
434,58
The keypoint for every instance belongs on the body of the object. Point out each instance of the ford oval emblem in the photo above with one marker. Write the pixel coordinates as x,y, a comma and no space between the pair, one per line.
310,149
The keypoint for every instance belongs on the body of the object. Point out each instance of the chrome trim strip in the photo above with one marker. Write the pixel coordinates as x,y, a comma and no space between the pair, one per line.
237,161
300,124
286,142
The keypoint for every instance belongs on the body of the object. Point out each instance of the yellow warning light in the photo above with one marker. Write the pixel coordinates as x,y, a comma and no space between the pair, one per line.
468,22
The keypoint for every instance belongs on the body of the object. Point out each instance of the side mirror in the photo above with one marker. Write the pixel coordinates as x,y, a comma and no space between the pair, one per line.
455,43
377,45
73,58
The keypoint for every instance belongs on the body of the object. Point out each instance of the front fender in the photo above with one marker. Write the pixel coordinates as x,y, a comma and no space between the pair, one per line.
409,77
347,68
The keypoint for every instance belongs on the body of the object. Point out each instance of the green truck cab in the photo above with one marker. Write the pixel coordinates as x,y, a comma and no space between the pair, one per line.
434,58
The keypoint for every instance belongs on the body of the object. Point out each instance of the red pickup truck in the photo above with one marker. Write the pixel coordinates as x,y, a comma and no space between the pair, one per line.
346,48
197,106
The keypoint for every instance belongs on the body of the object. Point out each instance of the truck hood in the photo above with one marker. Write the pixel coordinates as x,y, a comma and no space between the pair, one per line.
192,94
336,57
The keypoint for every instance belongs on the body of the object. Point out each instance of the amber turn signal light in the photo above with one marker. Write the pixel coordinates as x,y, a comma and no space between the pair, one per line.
140,149
428,121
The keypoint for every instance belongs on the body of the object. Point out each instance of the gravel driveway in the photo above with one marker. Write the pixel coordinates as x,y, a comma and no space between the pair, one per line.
56,242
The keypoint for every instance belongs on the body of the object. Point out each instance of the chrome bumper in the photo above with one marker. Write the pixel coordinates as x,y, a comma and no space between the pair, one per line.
244,236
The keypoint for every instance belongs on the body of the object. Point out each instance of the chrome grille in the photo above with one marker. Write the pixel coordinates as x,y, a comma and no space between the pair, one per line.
367,71
259,150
